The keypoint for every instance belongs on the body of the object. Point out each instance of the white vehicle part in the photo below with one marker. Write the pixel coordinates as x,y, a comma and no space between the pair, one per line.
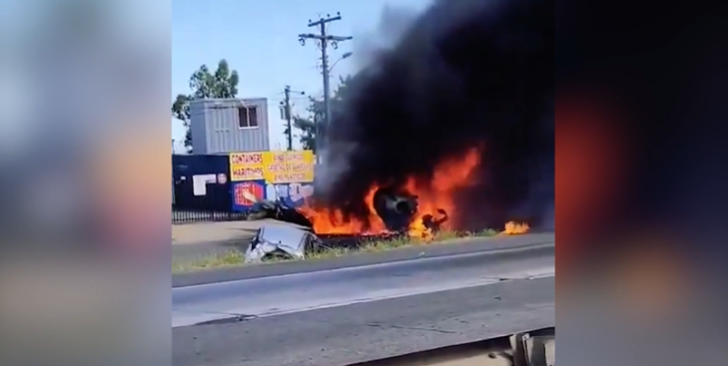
536,348
286,240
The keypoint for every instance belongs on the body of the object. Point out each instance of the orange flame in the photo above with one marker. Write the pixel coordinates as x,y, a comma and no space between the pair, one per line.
437,193
450,175
515,228
332,221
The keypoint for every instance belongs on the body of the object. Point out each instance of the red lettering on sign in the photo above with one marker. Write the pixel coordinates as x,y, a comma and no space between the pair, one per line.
247,159
255,173
290,177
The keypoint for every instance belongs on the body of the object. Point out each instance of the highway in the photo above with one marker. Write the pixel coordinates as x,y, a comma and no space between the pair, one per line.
433,250
358,313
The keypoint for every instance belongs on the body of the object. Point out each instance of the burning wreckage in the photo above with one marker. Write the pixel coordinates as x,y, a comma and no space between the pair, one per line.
396,213
396,210
492,164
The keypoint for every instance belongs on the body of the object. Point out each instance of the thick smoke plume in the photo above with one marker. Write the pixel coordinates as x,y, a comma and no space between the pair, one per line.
467,73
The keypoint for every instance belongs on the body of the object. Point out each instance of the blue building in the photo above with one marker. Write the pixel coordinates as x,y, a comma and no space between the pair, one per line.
201,188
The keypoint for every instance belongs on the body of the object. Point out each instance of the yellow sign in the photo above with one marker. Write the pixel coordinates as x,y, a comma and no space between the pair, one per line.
274,167
288,166
247,166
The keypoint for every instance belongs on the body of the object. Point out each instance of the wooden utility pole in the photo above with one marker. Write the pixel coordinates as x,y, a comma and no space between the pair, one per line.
287,115
323,40
289,125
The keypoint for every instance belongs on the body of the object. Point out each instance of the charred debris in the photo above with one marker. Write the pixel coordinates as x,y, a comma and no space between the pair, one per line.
397,208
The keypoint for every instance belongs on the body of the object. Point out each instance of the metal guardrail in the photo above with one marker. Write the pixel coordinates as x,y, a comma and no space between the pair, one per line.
532,348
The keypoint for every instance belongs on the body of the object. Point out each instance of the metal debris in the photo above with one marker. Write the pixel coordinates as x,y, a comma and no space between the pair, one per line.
433,223
277,210
280,241
396,208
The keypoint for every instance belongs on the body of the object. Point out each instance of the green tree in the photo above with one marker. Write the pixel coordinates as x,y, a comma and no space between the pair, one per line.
223,83
317,113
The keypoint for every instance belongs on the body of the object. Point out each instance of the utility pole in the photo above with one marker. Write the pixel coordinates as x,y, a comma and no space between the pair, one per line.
323,42
289,125
287,115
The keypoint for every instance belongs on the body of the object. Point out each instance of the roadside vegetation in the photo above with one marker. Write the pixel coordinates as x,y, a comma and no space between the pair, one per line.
236,258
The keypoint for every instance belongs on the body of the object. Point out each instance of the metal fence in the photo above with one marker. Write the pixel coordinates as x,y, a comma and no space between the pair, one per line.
214,205
181,216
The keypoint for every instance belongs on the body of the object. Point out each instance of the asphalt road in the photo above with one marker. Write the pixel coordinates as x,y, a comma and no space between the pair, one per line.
434,250
371,330
364,307
274,295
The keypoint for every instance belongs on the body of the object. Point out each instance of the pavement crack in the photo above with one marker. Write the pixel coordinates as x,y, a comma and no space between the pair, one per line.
499,279
231,318
394,326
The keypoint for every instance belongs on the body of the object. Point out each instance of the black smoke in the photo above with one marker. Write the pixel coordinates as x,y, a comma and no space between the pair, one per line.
467,73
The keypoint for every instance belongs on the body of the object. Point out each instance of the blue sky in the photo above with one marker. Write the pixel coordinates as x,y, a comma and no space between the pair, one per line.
259,39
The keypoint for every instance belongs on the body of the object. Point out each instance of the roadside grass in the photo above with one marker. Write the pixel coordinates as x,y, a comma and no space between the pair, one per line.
236,258
223,259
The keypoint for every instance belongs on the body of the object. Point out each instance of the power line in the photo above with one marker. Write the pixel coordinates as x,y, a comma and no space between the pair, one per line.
323,40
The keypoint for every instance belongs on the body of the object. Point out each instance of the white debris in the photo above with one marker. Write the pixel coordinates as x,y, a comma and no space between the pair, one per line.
273,241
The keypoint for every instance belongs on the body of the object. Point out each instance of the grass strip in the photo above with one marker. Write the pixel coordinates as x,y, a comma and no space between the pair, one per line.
235,258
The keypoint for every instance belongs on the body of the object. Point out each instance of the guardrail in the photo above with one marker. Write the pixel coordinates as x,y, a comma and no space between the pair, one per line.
531,348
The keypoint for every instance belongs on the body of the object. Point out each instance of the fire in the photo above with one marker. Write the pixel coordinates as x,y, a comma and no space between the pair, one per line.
433,194
329,221
515,228
450,175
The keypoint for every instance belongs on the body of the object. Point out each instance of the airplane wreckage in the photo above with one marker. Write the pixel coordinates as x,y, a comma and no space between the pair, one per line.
396,209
